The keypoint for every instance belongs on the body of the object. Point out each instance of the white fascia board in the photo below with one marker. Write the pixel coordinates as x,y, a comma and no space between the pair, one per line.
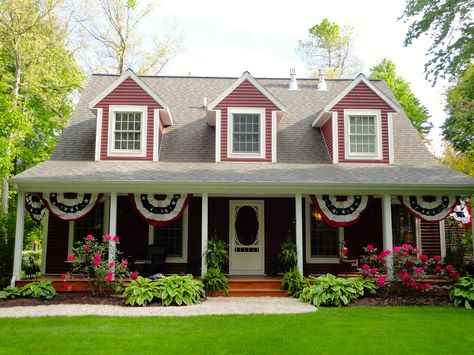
335,137
360,78
391,153
156,134
218,135
274,136
246,76
98,134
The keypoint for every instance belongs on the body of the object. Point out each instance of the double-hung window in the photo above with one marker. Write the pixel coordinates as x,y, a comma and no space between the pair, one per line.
362,134
127,131
175,237
246,132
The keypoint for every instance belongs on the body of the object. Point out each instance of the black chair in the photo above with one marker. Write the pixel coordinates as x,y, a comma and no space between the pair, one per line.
154,262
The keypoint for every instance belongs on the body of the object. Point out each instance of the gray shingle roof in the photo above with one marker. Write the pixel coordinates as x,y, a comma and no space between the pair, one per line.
187,150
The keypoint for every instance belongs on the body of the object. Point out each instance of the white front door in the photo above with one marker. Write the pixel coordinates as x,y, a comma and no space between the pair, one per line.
246,237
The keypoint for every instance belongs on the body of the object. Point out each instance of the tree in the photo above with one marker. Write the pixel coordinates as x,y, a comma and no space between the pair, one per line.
458,128
330,47
416,112
458,161
450,24
114,39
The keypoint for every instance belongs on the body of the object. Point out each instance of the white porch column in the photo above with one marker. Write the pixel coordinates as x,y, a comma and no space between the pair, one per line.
299,231
204,232
387,230
112,226
19,233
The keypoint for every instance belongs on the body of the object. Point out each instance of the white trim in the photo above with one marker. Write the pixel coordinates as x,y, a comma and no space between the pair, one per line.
387,230
360,78
44,242
130,74
391,154
274,137
377,155
98,134
246,76
299,231
442,238
218,136
230,122
335,135
111,151
70,237
184,241
19,236
113,227
418,234
204,231
156,134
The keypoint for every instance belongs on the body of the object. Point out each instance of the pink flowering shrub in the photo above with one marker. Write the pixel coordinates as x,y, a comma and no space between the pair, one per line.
90,260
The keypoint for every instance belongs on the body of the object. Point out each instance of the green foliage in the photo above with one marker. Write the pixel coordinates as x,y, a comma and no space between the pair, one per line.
330,46
416,112
215,280
458,129
462,293
141,292
288,257
451,27
458,161
293,282
7,243
177,289
329,290
10,293
217,254
40,289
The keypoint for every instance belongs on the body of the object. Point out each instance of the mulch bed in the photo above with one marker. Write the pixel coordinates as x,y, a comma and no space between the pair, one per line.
420,299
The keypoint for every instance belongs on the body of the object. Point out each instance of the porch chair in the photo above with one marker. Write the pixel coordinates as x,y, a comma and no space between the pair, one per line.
154,262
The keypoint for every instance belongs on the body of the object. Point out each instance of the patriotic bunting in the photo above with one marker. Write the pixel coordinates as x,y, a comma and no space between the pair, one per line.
160,210
340,211
70,206
429,208
35,206
462,213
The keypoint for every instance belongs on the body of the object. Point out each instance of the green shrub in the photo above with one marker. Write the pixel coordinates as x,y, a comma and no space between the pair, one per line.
288,257
217,254
40,289
463,292
215,280
329,290
180,289
7,243
10,293
293,282
141,292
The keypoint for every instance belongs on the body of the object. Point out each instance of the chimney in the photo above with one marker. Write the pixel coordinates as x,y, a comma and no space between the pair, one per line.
322,83
293,82
204,102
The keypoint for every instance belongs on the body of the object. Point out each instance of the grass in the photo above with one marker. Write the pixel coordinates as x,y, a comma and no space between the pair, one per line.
363,330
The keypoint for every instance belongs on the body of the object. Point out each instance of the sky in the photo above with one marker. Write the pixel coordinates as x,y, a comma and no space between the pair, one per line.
226,38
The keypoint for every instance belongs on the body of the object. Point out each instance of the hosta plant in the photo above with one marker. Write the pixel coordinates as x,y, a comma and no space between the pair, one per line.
462,293
215,280
10,293
293,282
287,257
180,290
40,289
141,292
217,254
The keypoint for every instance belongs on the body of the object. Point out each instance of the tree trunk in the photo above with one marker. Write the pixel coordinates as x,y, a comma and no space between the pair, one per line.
5,195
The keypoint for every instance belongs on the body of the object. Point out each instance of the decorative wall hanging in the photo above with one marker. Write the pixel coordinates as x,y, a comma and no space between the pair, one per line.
35,206
462,213
340,211
70,206
429,208
160,210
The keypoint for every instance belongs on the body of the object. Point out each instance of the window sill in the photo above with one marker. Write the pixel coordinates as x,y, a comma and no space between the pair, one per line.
328,260
176,260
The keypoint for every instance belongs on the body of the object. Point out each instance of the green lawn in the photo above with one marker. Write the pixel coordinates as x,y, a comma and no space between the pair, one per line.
406,330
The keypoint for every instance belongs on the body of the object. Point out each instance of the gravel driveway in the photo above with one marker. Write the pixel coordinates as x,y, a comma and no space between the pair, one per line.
212,306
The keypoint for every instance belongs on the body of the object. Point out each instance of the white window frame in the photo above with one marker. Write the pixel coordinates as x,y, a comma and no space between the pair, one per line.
184,240
230,136
377,155
112,151
318,260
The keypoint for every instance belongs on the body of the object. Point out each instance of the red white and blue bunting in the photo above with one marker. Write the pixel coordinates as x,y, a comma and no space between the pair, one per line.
341,211
70,206
462,213
429,208
160,210
35,206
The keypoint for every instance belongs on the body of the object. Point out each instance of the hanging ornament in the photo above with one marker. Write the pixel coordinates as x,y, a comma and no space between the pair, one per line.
429,208
70,206
35,206
462,213
160,210
340,211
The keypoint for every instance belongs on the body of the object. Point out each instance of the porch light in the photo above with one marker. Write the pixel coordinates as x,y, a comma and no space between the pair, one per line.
317,215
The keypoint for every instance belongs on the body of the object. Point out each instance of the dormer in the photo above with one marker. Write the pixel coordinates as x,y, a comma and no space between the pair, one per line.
131,118
246,117
357,124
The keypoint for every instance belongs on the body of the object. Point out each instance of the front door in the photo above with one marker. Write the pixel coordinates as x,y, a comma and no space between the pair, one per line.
246,237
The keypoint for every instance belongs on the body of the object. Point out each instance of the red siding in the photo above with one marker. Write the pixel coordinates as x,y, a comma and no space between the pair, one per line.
430,238
127,93
326,130
362,97
246,95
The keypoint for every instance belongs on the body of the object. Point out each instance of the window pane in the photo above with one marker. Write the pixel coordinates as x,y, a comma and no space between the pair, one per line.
246,133
362,134
171,236
91,223
127,130
324,238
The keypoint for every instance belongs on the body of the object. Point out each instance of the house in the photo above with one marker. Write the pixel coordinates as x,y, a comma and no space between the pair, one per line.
255,162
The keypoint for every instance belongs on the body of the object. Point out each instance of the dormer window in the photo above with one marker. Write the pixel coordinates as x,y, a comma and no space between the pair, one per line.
127,131
246,132
362,134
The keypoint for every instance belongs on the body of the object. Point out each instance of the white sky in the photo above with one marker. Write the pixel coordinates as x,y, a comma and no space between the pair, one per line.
225,38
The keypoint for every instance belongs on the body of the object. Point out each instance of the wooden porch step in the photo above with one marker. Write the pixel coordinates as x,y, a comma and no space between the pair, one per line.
252,285
255,286
256,293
